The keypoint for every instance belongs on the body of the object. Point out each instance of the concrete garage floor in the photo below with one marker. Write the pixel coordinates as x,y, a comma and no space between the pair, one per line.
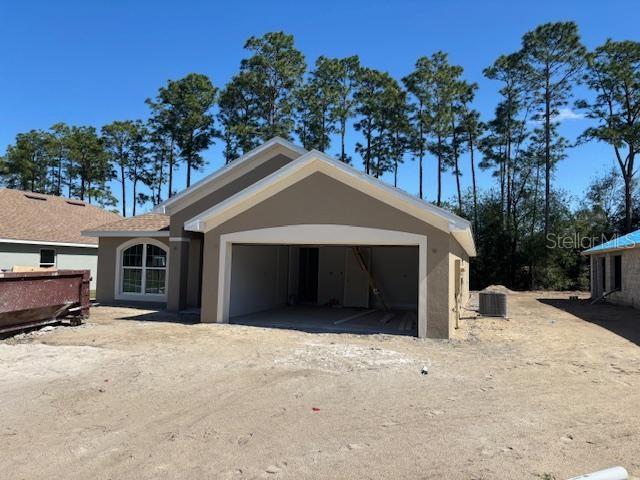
314,319
551,393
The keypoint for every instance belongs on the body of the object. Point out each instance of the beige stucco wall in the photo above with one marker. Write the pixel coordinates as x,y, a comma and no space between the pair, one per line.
457,253
630,292
105,286
186,255
268,167
319,199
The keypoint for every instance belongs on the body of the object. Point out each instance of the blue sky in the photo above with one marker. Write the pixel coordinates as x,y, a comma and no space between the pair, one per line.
92,62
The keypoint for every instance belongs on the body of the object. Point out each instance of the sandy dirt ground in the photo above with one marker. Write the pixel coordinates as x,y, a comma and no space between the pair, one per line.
551,393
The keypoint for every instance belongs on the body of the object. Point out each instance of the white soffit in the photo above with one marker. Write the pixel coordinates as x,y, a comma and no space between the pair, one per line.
315,161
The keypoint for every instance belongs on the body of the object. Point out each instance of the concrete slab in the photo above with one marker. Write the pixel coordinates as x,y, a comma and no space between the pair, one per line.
314,319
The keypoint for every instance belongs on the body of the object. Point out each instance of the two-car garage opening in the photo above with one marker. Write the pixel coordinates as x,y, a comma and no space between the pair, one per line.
325,288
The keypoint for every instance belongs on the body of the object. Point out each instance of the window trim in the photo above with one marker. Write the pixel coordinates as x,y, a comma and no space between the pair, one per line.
55,258
142,296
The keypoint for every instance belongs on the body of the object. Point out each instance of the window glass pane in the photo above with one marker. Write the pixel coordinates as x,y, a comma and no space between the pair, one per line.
156,257
131,280
47,257
132,256
155,281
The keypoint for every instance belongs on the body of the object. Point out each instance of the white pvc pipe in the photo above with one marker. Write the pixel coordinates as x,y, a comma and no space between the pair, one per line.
615,473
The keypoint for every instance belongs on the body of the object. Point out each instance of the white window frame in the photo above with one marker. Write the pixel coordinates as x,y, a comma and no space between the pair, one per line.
142,296
55,258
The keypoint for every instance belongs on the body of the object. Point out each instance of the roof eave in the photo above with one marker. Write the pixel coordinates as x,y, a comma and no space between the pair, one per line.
424,211
125,233
586,253
163,207
48,243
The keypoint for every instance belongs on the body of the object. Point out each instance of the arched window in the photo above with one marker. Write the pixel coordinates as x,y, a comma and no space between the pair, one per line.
142,268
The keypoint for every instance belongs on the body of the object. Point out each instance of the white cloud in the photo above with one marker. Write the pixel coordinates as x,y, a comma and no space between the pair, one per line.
567,114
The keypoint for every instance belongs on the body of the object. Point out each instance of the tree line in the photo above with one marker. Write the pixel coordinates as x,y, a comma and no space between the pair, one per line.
427,117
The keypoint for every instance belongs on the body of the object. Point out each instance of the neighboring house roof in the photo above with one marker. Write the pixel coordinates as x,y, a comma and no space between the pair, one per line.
27,217
149,224
315,161
630,240
230,172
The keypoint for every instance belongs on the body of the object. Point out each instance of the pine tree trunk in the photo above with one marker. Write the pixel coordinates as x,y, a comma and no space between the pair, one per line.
534,215
473,186
368,154
59,182
189,159
547,153
343,132
395,172
458,186
439,200
171,159
161,175
189,171
124,193
628,203
421,160
508,180
454,142
134,188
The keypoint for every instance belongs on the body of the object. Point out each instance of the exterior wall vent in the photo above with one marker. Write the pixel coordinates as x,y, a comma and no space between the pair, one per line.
34,196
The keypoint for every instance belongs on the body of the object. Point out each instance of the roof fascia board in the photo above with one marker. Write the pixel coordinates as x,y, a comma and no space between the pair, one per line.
227,174
301,168
586,253
53,244
465,239
124,233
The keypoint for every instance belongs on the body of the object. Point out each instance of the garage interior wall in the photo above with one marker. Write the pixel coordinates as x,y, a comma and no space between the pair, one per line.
264,277
258,278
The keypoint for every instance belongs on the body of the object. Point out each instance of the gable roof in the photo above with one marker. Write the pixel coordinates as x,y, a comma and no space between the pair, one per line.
630,240
149,224
27,217
230,172
315,161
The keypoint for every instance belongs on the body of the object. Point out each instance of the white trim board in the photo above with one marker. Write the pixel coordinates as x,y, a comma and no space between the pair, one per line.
140,297
324,234
315,161
55,244
125,233
228,173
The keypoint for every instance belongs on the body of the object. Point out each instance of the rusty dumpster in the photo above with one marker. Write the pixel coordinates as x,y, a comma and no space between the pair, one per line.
30,299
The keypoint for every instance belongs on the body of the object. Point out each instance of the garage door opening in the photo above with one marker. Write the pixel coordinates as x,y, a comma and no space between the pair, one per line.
326,288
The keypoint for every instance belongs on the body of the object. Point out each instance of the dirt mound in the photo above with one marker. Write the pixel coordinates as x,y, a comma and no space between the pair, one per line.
498,289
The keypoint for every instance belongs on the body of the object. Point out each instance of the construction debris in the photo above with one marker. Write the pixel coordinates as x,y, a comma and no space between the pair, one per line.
615,473
353,317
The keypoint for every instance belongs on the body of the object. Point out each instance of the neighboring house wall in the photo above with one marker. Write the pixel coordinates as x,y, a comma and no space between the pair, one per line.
107,264
319,199
630,285
69,258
